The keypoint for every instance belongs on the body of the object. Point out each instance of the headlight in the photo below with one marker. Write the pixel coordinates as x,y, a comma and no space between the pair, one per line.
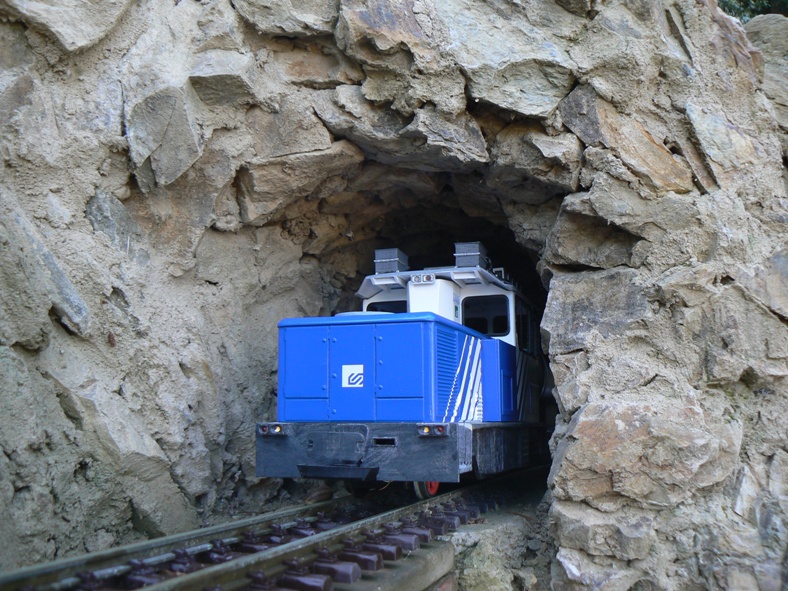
433,430
423,278
271,429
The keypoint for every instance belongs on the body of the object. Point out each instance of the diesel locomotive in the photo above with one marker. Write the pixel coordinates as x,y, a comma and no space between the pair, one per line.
439,377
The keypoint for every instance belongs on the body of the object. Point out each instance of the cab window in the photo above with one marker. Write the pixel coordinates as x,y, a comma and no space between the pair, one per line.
524,336
488,315
394,306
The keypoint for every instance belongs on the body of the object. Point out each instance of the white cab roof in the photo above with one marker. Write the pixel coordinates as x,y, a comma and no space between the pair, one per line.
462,276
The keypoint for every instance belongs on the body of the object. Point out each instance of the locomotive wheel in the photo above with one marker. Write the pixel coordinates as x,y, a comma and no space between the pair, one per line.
426,489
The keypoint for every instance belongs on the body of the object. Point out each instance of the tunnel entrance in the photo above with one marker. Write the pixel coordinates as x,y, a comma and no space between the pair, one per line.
426,226
427,233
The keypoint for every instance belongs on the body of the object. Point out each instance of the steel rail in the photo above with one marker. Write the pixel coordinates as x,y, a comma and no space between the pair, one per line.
107,567
235,574
60,575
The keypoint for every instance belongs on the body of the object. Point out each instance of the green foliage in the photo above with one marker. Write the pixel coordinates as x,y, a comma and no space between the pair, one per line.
746,9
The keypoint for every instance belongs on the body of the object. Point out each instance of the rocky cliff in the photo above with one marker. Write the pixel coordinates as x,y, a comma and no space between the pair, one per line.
179,175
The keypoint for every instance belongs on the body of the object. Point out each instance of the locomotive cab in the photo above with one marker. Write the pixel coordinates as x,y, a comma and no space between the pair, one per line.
439,375
477,297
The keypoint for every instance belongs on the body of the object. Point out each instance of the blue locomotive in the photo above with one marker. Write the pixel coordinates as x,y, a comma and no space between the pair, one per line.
441,375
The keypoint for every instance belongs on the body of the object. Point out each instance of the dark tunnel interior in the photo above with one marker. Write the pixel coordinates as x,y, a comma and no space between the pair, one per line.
427,234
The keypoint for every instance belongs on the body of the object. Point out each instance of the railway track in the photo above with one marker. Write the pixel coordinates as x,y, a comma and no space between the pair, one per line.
329,545
63,575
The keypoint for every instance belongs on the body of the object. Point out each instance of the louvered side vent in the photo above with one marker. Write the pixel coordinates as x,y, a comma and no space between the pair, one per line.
446,361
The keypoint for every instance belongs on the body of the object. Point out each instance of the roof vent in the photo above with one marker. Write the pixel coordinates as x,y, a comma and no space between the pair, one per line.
471,254
390,260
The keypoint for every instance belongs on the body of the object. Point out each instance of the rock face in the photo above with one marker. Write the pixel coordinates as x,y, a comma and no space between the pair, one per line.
766,31
181,175
76,25
503,553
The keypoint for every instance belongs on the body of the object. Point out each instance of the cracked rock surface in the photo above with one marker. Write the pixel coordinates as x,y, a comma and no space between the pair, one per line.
179,176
